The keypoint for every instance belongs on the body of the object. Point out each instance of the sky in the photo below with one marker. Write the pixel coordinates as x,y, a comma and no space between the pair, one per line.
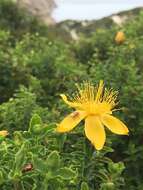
91,9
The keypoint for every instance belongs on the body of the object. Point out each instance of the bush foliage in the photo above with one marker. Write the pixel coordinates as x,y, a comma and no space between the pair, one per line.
34,70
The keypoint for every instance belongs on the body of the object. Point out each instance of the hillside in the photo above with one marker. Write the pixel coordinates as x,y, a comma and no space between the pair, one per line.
75,28
42,9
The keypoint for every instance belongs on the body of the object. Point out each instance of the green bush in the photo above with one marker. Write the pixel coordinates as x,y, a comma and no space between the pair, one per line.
16,113
34,70
31,160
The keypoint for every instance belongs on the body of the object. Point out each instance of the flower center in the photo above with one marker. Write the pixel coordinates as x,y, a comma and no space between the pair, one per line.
94,100
93,108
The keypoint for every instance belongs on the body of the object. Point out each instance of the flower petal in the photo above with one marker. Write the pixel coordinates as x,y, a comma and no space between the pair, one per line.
71,104
71,121
3,133
95,132
115,125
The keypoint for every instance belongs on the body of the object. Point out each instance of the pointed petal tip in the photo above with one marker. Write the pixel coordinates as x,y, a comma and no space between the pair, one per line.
127,133
98,148
95,132
115,125
59,128
63,96
65,99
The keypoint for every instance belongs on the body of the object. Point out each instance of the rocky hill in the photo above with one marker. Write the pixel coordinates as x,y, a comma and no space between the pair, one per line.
66,30
75,28
42,9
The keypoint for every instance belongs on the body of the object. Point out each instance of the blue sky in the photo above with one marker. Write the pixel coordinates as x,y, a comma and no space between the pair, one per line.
91,9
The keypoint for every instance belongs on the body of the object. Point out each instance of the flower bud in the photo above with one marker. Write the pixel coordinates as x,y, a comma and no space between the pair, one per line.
120,37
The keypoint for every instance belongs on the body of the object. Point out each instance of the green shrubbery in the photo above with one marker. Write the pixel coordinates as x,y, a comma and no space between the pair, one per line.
121,67
34,70
31,160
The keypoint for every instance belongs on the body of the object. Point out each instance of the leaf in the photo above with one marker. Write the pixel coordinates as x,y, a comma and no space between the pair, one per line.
1,138
36,119
61,140
18,139
35,124
107,186
1,178
34,186
116,168
44,185
84,186
20,157
39,164
66,173
46,129
53,161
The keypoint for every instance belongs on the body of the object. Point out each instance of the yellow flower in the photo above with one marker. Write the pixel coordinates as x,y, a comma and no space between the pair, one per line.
3,133
95,105
120,37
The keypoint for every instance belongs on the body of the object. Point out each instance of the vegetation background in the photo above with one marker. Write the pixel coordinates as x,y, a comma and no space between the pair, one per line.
37,63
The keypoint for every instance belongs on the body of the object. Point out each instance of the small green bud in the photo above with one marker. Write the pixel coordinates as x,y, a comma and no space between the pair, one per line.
35,124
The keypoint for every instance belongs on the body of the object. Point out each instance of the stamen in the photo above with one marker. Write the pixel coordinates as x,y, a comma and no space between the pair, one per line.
89,96
99,92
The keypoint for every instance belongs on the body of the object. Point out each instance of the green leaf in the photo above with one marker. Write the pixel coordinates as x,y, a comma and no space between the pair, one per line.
107,186
61,140
66,173
44,185
20,157
46,129
1,138
18,139
35,124
39,164
36,119
53,161
84,186
34,186
116,168
1,178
